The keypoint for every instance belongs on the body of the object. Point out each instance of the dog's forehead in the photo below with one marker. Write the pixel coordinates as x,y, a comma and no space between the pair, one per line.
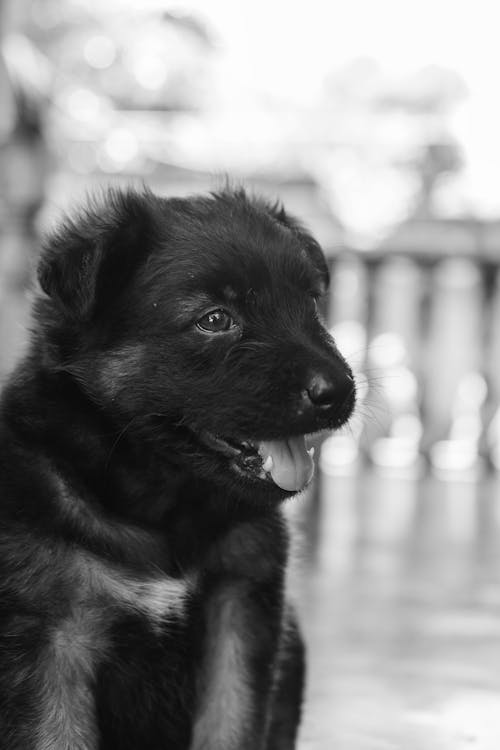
231,251
241,280
245,262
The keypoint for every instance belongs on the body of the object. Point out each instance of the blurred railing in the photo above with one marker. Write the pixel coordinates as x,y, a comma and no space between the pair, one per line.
419,320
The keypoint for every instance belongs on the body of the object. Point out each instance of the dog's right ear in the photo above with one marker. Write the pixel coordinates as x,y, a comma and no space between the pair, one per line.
96,252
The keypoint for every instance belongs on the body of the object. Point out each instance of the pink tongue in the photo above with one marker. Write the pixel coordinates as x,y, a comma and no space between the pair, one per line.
292,465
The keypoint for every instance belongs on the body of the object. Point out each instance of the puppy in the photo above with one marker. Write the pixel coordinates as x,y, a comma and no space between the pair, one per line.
147,442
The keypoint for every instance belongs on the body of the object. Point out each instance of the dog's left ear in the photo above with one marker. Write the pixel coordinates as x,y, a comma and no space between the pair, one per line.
90,257
311,247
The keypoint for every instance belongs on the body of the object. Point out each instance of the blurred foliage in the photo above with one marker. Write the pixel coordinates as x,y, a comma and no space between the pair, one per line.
147,88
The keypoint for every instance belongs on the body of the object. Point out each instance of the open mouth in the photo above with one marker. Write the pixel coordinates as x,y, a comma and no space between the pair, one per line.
287,463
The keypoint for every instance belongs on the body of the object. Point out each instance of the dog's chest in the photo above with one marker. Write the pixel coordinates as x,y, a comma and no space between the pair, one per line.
158,598
81,641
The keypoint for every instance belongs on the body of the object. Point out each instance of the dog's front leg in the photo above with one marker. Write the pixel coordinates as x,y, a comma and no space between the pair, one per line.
240,644
242,624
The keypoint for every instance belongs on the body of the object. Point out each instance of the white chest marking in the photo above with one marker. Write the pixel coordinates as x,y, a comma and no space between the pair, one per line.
157,597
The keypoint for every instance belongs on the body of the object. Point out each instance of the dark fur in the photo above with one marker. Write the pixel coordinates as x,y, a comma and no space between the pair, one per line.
102,468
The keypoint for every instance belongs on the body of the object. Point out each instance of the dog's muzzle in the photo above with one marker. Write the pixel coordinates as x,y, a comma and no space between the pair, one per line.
325,403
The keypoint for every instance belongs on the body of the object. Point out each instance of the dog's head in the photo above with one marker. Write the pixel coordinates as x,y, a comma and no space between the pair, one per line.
197,321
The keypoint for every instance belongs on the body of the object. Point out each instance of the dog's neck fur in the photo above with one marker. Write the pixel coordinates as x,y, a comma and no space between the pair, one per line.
89,447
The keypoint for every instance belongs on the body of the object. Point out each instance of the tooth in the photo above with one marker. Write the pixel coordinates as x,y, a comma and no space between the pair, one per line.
311,451
268,464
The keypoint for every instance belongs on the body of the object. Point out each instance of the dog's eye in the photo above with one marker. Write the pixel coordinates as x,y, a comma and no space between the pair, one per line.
215,321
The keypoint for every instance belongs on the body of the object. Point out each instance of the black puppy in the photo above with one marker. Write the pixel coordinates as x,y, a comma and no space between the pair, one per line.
146,443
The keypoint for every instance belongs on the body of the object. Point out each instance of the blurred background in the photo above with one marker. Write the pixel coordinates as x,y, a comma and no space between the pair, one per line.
377,123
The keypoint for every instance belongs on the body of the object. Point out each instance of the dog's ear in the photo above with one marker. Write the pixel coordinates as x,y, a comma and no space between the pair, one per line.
311,247
95,251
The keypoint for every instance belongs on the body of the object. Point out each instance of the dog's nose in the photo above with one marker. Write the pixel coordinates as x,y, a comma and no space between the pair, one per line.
324,392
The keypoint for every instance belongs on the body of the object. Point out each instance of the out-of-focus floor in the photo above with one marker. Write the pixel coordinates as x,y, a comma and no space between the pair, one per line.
399,595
